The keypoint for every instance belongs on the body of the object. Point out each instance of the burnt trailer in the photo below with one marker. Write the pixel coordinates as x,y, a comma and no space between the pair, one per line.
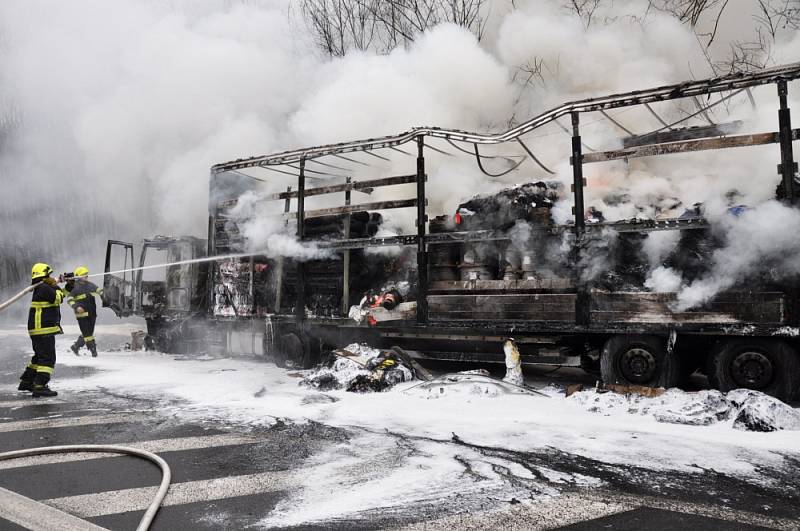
473,281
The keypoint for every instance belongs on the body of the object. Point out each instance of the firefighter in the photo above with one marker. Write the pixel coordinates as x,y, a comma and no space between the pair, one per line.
44,322
81,298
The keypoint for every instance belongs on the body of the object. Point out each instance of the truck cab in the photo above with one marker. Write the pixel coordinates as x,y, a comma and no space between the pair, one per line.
167,296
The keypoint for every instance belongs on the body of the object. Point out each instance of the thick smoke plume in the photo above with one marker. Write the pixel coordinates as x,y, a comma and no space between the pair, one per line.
763,240
265,231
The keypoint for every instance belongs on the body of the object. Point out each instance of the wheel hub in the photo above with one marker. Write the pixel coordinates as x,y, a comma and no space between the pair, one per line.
638,365
752,369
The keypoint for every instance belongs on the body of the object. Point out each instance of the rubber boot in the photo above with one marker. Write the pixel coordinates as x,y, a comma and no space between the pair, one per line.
26,380
92,348
43,390
75,349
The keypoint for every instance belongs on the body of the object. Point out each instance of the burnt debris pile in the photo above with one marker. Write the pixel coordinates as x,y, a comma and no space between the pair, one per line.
518,240
525,249
359,369
530,202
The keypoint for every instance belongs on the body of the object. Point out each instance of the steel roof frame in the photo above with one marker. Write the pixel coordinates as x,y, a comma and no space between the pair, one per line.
685,89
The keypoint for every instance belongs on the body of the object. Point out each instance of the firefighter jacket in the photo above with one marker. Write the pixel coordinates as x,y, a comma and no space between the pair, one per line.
44,317
81,295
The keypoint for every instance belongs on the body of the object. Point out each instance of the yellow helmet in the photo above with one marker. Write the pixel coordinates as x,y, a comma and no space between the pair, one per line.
40,270
81,271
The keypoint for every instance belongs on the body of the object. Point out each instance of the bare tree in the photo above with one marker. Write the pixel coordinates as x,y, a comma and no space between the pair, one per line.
404,19
687,11
776,15
585,9
342,25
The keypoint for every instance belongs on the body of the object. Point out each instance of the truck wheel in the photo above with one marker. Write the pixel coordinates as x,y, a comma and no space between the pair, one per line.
639,360
769,366
286,344
295,352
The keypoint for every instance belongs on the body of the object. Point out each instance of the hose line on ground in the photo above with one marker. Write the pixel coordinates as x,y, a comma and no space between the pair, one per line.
166,473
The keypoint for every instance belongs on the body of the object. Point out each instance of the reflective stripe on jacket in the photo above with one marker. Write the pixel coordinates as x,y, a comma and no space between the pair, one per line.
44,317
81,295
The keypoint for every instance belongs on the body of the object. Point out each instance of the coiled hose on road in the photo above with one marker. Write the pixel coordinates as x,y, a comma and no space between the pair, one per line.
166,473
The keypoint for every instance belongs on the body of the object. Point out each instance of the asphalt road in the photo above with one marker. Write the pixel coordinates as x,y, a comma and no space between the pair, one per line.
231,477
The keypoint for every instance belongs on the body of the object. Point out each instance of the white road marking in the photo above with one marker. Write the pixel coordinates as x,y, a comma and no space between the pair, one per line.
543,513
122,501
573,508
37,516
156,446
65,422
26,400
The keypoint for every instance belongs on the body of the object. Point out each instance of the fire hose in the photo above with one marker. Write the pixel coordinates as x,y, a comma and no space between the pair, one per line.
166,473
30,288
17,297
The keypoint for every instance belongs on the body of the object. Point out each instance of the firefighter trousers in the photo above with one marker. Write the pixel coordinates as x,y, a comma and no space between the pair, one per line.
40,369
86,324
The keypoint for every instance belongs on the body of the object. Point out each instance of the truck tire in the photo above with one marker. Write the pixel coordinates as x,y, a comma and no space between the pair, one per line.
287,344
639,360
295,351
765,365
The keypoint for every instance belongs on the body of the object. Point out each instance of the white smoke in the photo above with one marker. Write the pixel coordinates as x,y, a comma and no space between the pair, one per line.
664,279
124,106
267,232
764,240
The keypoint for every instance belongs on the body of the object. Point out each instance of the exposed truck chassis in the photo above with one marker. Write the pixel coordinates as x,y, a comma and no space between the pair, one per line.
635,336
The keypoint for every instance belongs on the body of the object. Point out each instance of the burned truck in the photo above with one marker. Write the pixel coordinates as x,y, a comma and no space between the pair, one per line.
499,264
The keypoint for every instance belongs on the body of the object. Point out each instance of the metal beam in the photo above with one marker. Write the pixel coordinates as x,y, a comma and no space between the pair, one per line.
729,83
422,252
280,266
684,133
789,189
641,226
359,186
380,205
788,167
687,146
300,304
365,187
346,259
577,174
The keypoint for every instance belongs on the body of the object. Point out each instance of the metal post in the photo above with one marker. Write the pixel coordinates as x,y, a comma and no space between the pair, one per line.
212,229
422,253
212,236
577,174
252,287
582,299
279,269
346,257
300,307
790,188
